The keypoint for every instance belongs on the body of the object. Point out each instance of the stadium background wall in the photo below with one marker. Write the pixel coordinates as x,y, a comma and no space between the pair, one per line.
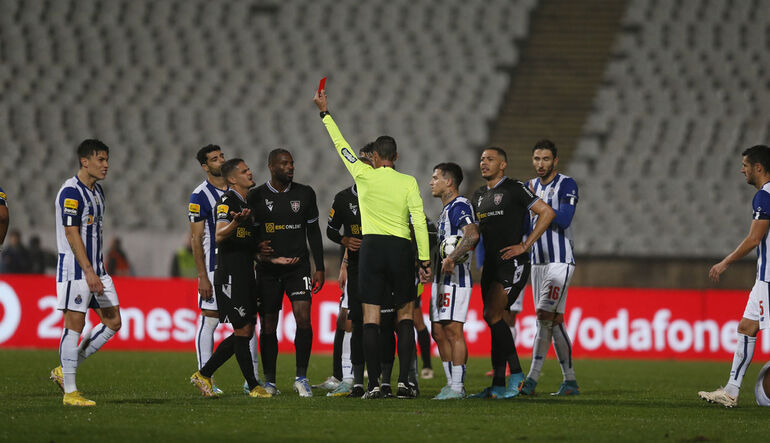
161,314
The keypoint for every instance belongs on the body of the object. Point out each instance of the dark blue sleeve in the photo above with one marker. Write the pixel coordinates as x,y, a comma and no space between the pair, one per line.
761,205
568,198
199,208
3,198
460,214
71,205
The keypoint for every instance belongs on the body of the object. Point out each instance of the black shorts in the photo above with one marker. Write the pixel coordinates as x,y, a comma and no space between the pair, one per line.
386,271
236,299
513,275
273,281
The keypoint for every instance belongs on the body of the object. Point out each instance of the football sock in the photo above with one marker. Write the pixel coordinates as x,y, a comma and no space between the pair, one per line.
204,341
303,342
339,335
412,376
458,377
223,353
423,337
357,353
68,356
501,351
243,355
744,352
268,345
386,373
563,348
347,365
387,344
540,348
99,337
254,354
406,349
372,353
447,371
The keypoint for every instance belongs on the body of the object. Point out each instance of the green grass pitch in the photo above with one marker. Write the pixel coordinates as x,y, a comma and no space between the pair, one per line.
146,396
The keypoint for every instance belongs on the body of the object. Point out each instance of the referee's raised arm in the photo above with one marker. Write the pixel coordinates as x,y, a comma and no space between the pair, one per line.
344,150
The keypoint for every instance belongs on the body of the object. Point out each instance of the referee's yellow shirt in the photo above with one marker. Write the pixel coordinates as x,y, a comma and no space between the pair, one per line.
386,197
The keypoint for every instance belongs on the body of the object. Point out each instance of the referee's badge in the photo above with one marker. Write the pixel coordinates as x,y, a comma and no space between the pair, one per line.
498,198
295,205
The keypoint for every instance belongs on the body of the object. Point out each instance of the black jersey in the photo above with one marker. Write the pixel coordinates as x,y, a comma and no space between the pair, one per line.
503,213
236,253
289,219
345,214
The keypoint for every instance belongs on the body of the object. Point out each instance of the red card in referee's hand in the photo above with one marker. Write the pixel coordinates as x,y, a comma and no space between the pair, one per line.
321,85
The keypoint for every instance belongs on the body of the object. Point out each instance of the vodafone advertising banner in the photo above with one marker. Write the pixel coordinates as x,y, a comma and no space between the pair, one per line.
162,314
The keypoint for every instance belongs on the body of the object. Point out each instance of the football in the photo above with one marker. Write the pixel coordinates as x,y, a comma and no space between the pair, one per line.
448,246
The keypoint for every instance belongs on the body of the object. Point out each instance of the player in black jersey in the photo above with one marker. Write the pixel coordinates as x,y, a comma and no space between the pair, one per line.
502,208
234,280
3,217
289,216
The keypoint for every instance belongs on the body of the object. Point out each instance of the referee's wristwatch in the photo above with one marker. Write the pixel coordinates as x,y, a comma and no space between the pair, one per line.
324,113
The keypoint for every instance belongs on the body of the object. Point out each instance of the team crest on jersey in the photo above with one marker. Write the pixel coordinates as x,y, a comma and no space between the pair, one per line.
551,192
90,220
78,300
295,205
498,198
353,208
269,205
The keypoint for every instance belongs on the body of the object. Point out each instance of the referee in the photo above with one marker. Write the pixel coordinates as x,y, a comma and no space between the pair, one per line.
386,199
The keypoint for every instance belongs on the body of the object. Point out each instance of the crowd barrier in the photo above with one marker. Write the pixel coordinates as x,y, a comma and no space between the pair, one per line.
162,314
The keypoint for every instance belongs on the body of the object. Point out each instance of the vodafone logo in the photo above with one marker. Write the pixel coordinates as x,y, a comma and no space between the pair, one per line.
11,309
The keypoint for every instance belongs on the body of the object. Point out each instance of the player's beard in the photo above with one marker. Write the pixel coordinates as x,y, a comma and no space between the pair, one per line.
216,172
547,173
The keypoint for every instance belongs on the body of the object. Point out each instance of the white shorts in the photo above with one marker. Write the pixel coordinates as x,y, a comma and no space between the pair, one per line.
518,305
758,304
449,303
759,390
344,297
74,295
549,286
210,304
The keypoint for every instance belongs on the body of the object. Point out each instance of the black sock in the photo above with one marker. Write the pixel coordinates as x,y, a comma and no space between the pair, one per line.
372,353
243,355
423,337
268,349
387,372
303,342
503,348
406,349
223,353
357,353
413,368
339,336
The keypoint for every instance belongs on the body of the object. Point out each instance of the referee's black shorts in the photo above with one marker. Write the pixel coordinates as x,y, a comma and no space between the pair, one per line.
386,271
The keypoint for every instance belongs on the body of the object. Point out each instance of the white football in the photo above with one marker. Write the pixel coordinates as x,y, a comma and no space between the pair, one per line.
448,246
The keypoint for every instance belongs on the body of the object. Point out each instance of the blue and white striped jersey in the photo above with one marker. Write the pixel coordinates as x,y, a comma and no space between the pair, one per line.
201,208
456,214
555,245
77,205
3,198
761,207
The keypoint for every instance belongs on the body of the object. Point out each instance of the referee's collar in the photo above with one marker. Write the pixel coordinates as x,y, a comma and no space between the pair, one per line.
270,187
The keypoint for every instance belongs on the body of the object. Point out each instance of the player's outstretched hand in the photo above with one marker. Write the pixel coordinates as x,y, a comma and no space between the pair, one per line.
204,287
319,277
352,243
238,217
509,252
448,266
94,283
320,100
717,270
265,248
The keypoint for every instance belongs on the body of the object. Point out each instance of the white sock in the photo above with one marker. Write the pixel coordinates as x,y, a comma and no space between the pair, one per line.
68,356
254,354
98,337
447,371
744,352
458,377
204,339
563,347
541,347
347,365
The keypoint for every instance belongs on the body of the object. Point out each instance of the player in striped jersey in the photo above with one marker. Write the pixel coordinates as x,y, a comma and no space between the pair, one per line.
202,230
452,285
552,267
3,217
82,281
756,169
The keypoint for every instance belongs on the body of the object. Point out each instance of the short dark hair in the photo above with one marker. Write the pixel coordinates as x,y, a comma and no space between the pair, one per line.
275,153
367,149
229,166
499,151
385,147
758,154
203,153
454,171
366,160
546,144
91,146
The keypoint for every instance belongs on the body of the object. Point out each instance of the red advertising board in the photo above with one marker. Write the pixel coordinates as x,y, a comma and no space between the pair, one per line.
162,314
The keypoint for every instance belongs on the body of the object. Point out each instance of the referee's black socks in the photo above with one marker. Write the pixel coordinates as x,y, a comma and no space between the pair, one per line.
223,353
357,353
339,336
372,353
268,346
303,342
406,349
243,355
424,338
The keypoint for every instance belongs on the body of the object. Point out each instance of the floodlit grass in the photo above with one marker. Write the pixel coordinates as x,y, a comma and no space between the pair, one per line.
147,396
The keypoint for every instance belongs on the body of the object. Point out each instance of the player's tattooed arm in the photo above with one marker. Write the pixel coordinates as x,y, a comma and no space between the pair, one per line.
545,216
757,231
79,251
469,240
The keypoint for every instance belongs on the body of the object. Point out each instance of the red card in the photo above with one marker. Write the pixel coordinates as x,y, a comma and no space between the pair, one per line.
322,85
